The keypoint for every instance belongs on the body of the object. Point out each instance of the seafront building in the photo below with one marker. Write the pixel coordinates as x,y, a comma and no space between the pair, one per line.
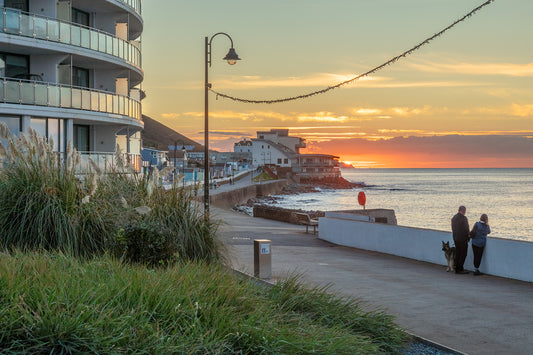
71,70
276,150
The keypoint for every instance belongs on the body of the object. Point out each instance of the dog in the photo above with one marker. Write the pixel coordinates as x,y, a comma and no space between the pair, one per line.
449,253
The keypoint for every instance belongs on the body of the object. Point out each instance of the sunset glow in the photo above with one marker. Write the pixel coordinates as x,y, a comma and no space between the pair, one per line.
464,100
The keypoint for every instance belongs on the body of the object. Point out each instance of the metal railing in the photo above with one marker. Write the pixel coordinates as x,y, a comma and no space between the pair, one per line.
107,161
134,4
26,92
40,27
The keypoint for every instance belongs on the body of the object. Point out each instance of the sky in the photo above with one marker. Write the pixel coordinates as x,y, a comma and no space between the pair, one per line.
463,100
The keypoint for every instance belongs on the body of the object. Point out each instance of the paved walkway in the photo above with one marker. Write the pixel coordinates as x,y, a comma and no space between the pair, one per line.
475,315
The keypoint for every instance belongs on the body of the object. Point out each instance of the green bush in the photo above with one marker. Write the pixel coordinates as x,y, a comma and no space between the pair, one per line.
148,244
194,236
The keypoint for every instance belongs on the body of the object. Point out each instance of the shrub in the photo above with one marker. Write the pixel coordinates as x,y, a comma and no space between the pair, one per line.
43,204
147,243
178,212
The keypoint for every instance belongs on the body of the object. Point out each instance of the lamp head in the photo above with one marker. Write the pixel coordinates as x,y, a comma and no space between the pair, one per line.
232,56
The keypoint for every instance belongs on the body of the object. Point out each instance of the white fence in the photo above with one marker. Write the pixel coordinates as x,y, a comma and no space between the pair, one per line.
502,257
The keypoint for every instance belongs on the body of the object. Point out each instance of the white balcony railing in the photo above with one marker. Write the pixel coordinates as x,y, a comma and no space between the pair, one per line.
20,23
107,161
38,93
134,4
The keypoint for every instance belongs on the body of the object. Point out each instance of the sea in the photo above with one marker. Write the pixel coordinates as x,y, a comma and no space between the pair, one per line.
428,198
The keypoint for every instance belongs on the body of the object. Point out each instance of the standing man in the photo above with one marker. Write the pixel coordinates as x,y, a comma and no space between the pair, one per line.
460,231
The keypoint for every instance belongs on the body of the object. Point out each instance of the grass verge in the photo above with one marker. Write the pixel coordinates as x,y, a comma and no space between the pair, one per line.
52,303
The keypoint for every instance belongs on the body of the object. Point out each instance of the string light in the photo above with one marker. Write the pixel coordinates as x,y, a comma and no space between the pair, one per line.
371,71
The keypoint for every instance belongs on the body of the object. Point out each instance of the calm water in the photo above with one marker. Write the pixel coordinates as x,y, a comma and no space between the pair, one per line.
428,198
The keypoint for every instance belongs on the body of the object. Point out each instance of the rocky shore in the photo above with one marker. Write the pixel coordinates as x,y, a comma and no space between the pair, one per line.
299,188
322,184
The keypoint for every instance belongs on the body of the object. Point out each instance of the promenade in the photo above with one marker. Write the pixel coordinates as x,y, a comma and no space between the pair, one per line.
474,315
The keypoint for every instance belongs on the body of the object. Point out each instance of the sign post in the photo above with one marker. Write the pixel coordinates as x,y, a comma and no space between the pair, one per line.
361,198
262,259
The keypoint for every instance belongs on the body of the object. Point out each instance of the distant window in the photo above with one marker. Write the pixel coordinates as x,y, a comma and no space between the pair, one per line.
279,160
17,4
268,147
285,161
261,137
80,17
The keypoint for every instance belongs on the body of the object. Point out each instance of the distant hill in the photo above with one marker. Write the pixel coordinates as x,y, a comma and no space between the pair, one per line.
157,135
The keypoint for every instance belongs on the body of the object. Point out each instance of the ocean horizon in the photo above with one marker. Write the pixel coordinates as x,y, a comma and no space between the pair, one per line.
429,197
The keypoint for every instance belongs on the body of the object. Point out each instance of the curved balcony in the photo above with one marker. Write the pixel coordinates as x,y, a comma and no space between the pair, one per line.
48,29
37,93
134,4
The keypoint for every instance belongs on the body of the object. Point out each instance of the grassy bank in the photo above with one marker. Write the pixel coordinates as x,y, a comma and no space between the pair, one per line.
54,303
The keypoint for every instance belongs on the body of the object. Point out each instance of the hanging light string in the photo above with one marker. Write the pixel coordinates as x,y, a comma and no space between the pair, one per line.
371,71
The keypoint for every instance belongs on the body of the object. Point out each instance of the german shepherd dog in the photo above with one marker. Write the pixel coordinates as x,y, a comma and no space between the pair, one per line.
449,253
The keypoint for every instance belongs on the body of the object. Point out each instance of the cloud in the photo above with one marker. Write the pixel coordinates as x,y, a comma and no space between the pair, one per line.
459,147
505,69
230,133
521,110
171,115
322,117
313,80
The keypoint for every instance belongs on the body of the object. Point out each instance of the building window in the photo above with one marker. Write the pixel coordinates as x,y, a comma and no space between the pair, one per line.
53,129
80,17
17,4
285,161
12,65
80,77
13,123
81,138
279,160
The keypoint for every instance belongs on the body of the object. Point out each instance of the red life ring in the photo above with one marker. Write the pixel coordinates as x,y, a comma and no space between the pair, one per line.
361,197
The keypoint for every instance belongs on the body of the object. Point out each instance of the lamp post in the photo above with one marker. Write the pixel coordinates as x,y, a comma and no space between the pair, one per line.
232,58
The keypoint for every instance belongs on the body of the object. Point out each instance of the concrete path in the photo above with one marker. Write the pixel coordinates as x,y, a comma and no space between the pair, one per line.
472,314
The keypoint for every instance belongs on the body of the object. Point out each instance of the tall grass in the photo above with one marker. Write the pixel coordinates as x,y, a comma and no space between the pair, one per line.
41,200
46,205
52,303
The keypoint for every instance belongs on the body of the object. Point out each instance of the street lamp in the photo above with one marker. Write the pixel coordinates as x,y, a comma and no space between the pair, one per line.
232,58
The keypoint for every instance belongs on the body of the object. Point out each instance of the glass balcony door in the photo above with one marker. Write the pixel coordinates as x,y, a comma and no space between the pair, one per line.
82,138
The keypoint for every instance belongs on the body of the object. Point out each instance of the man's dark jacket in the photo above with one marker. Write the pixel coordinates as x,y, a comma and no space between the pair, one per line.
460,228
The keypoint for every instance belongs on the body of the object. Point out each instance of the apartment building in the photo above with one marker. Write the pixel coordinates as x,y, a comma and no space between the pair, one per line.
71,70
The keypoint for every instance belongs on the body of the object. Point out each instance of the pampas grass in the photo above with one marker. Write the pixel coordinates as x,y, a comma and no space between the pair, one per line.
41,201
46,205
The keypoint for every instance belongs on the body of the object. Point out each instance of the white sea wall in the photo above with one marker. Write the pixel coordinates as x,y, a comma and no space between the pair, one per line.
502,257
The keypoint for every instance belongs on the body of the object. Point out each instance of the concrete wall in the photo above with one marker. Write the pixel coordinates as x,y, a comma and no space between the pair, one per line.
234,197
502,257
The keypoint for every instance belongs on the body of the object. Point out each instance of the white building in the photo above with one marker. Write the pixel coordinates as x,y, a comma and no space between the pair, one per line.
275,147
281,152
71,69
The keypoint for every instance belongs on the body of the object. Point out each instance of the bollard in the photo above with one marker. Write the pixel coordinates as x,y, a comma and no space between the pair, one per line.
262,259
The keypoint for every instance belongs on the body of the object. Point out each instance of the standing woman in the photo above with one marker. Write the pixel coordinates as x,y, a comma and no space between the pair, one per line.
479,240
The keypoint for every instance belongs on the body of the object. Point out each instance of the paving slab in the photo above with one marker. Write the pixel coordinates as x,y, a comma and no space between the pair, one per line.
472,314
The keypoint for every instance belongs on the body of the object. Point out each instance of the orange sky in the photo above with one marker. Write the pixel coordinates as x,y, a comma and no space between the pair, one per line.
464,100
